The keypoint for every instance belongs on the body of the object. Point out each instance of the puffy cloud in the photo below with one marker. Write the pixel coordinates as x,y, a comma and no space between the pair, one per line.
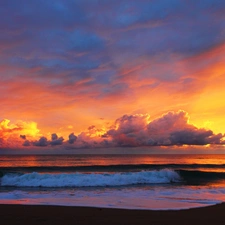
90,138
72,138
129,130
132,123
168,122
12,134
54,137
41,142
172,128
56,140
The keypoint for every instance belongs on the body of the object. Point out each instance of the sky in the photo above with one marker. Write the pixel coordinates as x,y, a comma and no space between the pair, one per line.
86,74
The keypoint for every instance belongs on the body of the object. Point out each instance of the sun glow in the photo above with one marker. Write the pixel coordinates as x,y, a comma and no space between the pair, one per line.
25,129
30,129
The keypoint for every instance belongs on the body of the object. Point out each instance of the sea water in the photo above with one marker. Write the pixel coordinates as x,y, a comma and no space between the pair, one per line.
116,181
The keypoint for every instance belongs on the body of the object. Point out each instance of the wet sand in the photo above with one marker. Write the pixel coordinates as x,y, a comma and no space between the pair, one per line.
63,215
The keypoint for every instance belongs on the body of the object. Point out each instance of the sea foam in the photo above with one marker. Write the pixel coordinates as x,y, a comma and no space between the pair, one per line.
90,179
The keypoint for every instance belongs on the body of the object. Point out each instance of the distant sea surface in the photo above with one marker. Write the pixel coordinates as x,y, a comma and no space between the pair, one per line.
115,181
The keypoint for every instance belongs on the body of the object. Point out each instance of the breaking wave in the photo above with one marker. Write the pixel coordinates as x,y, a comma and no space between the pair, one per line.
35,179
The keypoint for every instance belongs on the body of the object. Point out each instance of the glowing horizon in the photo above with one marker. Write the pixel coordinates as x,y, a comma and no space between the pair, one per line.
138,130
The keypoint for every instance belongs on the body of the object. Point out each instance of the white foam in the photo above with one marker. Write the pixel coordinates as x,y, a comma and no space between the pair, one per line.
90,180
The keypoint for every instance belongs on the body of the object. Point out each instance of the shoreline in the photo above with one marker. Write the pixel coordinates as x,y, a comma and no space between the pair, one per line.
59,215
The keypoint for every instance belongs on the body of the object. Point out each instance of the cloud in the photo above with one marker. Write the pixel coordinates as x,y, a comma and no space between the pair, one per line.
168,122
42,142
23,137
194,137
90,138
172,128
82,41
54,137
6,127
54,14
72,138
56,140
175,129
12,134
26,143
129,130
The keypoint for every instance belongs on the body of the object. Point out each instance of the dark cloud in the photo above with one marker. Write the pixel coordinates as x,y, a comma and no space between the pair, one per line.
41,142
53,14
73,37
26,143
194,137
54,137
72,138
56,140
23,137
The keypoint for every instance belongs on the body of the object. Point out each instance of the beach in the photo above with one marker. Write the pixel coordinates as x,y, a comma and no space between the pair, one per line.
112,190
137,182
59,215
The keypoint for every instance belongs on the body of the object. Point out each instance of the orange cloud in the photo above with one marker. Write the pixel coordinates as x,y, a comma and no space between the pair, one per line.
11,134
170,129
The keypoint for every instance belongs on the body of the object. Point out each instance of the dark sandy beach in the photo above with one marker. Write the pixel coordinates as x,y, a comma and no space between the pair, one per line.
30,214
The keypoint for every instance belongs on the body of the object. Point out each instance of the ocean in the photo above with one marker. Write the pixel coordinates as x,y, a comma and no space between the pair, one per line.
113,181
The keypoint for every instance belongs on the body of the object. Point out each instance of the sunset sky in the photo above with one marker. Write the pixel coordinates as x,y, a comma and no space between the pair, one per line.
110,73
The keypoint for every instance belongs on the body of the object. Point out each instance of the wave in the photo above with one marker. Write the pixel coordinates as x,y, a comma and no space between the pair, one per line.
35,179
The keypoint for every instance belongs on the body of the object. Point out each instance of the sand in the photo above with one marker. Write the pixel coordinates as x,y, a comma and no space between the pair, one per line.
38,214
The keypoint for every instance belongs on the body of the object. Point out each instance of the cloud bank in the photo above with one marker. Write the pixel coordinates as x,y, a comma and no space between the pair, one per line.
172,128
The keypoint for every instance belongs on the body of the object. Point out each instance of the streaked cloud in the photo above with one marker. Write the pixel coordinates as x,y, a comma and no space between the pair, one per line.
84,60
